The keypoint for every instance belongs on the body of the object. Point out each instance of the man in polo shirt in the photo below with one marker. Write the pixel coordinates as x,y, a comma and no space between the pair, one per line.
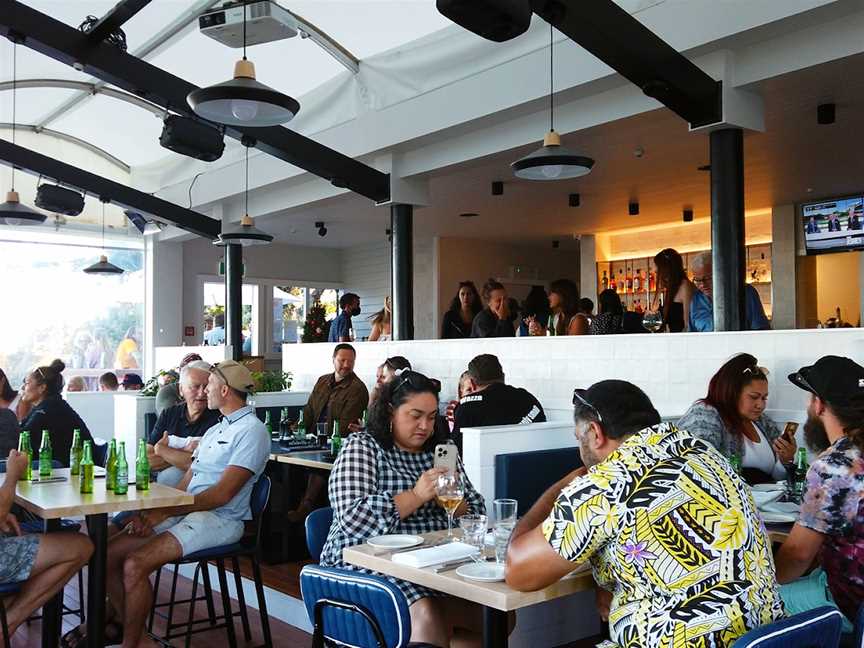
179,429
830,526
491,402
229,460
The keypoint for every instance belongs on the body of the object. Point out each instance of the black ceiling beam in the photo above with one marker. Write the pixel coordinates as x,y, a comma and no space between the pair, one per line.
116,193
57,40
623,43
114,19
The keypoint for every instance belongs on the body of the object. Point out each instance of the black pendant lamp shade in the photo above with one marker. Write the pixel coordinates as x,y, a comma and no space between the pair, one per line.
12,212
244,233
104,266
552,162
243,101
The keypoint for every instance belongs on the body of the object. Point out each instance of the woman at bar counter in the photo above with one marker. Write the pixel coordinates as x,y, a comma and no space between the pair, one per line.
463,309
674,293
496,320
384,482
732,419
43,389
564,302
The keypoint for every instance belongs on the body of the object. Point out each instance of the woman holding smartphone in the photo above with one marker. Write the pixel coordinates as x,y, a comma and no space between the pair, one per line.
384,482
732,418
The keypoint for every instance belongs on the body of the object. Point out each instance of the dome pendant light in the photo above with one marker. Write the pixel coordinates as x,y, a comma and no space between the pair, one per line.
12,212
103,266
243,101
552,161
244,233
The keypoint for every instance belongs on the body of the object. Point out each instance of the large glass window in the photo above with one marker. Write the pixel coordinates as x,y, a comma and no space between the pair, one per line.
51,309
290,306
214,316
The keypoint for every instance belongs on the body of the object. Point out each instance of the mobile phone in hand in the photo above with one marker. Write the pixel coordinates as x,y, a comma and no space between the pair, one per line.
446,456
789,431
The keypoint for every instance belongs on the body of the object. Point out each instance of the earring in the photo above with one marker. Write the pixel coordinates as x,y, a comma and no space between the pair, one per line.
391,428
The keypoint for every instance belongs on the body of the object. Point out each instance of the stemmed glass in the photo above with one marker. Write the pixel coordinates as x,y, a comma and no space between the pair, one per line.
653,321
449,490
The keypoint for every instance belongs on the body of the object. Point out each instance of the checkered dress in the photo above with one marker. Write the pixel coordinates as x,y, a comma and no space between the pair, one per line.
363,483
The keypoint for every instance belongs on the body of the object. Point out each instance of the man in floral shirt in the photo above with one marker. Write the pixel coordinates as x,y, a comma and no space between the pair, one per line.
668,527
830,526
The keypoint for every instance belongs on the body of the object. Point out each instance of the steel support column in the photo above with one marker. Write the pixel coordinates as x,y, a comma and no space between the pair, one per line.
402,263
727,228
234,299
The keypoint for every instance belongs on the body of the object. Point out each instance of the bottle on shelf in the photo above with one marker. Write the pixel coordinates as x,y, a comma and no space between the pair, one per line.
111,466
612,284
142,468
121,484
75,453
604,282
46,455
621,282
629,281
637,281
638,308
86,485
25,448
652,281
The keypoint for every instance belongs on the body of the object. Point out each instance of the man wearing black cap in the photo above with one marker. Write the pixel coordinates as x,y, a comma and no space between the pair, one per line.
830,525
491,402
670,529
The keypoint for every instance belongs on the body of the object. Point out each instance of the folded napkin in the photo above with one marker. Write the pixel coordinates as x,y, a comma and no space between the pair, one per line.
435,555
785,508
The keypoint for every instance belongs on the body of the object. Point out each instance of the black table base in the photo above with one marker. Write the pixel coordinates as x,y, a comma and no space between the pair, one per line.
494,628
53,609
97,527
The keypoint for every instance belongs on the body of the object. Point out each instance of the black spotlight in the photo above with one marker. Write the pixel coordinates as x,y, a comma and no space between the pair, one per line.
497,188
575,200
59,200
389,234
193,138
322,231
633,208
555,244
826,114
496,20
688,215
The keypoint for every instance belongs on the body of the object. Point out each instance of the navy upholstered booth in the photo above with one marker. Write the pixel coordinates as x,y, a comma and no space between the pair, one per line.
525,476
317,527
819,628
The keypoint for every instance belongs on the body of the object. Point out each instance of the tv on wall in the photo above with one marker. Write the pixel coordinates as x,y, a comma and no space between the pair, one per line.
834,225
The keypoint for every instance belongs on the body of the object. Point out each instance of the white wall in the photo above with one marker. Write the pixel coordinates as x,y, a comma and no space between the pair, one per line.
163,303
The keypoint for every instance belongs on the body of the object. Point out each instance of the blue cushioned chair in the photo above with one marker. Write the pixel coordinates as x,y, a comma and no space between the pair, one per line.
317,527
819,628
525,476
249,546
856,639
354,608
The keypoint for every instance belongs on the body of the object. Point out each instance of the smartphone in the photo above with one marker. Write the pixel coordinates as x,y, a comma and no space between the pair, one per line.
446,455
789,431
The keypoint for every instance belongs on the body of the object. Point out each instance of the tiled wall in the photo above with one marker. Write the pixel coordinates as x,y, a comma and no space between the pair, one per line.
674,369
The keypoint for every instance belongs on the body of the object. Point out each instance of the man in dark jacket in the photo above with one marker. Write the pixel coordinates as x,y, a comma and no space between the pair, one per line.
338,396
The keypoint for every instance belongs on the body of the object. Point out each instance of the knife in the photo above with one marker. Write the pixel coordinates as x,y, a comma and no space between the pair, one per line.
453,564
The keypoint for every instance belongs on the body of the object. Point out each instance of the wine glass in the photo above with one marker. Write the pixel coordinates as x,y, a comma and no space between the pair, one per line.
653,321
449,490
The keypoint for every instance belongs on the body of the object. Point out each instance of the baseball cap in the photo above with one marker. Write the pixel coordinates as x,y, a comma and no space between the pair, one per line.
620,406
235,375
832,378
131,379
485,368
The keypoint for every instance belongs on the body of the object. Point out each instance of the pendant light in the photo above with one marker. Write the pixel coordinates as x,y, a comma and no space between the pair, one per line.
12,212
552,161
244,233
103,266
243,101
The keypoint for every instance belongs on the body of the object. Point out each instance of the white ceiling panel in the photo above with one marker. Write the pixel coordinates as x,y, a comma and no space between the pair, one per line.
31,103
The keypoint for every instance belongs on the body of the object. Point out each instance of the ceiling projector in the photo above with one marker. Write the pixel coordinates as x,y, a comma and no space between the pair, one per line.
265,22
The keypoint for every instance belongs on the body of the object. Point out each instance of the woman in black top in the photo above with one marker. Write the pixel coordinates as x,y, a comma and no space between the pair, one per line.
496,320
463,309
675,288
42,389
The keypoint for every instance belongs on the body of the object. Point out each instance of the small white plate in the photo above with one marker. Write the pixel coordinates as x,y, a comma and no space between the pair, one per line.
394,541
486,572
771,517
769,487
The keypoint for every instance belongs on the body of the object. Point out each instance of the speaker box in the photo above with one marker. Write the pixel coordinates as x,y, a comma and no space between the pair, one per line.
495,20
59,200
191,137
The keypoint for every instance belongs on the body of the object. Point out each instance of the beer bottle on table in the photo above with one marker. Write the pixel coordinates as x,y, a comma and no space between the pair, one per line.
111,466
87,468
363,420
24,448
284,425
268,423
735,462
121,485
75,453
801,468
142,468
46,455
300,431
335,440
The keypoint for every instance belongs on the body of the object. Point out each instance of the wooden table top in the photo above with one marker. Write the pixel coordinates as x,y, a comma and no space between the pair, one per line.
496,595
310,459
54,500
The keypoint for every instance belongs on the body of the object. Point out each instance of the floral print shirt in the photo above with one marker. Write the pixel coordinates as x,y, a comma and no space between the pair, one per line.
834,506
673,533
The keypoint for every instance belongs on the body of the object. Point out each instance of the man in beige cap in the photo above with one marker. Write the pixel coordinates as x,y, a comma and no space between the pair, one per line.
229,460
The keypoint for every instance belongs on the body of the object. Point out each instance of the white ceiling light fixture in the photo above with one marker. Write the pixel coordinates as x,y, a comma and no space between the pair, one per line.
243,101
152,228
552,161
103,266
244,233
12,212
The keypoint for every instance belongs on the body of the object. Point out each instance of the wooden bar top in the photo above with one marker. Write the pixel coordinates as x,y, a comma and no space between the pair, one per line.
53,500
310,459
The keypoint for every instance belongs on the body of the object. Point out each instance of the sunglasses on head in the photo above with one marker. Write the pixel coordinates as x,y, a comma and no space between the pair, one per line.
579,399
417,381
215,369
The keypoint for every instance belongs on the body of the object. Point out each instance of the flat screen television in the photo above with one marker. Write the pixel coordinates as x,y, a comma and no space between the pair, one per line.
834,225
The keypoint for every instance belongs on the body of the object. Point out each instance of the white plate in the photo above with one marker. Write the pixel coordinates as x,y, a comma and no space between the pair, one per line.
778,517
770,487
394,541
486,572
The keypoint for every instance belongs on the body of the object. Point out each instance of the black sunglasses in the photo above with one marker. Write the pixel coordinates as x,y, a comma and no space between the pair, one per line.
579,399
417,381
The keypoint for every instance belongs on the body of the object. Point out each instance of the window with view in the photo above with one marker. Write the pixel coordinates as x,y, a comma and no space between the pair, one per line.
214,316
290,308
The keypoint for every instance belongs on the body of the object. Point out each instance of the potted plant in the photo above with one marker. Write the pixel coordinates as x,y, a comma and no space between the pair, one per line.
271,381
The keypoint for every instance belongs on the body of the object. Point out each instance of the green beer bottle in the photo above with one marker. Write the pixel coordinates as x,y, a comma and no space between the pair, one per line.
268,423
142,468
121,485
24,448
75,453
46,455
87,468
111,466
801,468
300,430
363,420
735,462
335,440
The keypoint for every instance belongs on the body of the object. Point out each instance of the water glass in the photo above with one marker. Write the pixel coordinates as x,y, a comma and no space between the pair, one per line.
321,429
505,510
473,530
653,321
502,533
